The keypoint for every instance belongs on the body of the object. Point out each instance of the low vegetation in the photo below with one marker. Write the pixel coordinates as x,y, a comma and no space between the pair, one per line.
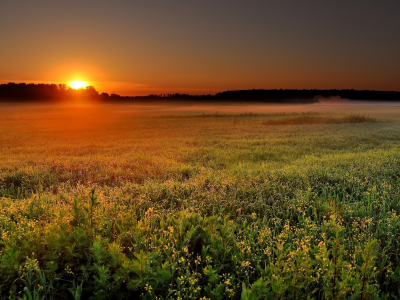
198,208
310,119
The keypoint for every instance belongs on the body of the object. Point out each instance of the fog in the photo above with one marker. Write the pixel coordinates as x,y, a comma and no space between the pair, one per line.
110,112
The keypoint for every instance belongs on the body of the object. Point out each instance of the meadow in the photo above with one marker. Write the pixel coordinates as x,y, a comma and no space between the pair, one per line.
211,202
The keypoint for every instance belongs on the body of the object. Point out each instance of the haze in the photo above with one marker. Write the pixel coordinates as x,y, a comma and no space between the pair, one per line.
95,115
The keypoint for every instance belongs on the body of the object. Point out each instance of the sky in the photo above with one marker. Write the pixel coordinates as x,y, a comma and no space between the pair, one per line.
199,47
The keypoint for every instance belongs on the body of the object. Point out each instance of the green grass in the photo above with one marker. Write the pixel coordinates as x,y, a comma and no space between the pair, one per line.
221,207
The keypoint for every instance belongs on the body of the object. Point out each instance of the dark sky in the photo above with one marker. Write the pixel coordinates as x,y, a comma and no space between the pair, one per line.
140,47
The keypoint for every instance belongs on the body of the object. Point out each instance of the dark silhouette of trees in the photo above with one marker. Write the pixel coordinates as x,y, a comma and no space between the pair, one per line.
267,96
22,92
104,96
304,96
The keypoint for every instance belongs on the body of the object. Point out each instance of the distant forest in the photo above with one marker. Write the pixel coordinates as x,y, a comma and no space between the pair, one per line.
22,92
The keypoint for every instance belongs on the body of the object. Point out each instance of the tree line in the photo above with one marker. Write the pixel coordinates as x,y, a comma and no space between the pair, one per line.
22,92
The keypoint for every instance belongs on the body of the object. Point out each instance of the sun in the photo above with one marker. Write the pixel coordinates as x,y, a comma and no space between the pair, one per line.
78,84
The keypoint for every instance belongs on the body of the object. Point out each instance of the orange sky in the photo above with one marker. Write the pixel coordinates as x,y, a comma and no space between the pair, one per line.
144,47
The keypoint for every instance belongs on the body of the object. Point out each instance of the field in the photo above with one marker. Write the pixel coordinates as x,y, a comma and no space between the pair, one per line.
210,202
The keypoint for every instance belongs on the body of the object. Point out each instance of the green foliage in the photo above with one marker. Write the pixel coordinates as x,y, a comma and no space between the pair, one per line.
238,210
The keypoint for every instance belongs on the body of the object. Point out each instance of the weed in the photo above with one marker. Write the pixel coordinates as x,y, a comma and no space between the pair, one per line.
221,207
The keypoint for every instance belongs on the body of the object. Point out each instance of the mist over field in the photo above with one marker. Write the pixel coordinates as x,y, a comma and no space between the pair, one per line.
212,150
209,199
335,105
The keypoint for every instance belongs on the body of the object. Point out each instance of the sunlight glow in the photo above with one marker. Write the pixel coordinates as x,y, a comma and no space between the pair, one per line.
78,84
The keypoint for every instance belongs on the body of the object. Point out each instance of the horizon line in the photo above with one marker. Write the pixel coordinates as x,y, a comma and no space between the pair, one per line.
207,94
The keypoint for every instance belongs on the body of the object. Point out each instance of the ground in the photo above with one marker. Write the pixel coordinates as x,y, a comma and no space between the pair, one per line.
189,201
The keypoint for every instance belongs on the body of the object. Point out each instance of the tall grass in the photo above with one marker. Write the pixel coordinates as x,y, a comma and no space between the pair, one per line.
181,208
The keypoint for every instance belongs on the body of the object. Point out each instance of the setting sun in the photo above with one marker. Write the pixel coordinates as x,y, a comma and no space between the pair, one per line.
78,84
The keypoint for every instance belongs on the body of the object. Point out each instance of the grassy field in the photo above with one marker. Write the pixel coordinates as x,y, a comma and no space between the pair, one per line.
113,202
